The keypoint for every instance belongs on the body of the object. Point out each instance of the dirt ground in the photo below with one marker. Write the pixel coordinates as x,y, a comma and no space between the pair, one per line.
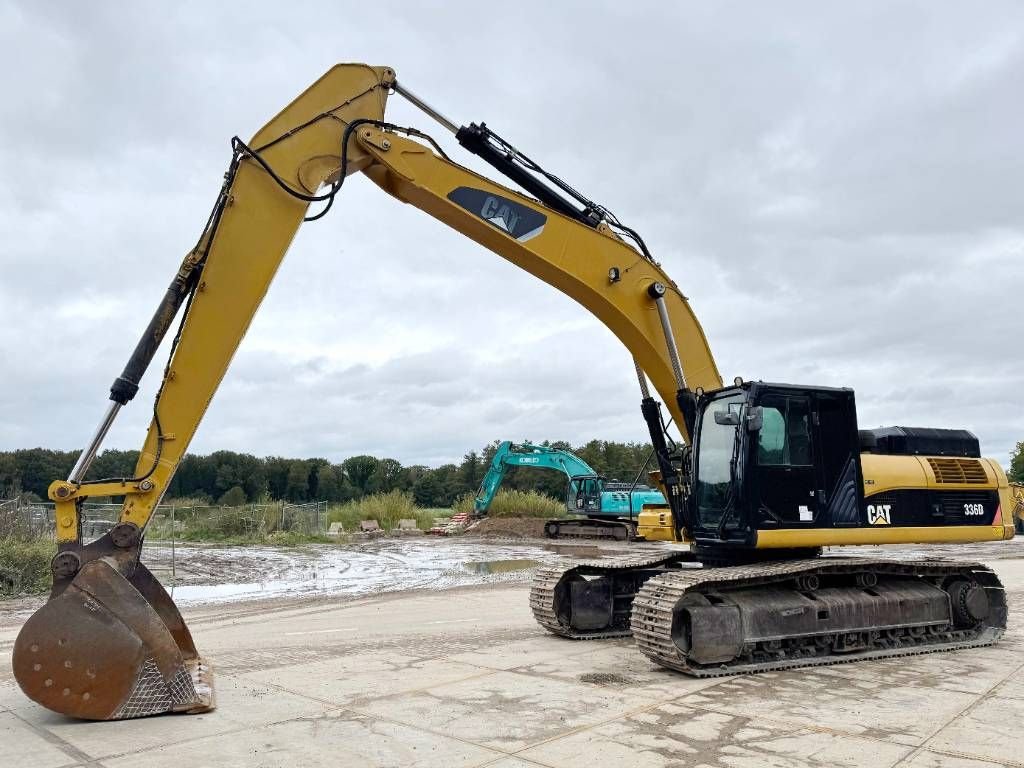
449,668
509,527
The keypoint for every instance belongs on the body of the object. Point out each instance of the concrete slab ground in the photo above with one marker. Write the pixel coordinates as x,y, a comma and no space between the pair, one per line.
466,678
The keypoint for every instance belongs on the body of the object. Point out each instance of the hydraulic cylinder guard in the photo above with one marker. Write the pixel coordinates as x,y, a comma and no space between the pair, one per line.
111,648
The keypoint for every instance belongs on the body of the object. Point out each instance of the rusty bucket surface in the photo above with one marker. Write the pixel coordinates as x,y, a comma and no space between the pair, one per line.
110,647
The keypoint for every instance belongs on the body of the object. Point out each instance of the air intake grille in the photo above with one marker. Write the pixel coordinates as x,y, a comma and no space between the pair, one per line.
958,471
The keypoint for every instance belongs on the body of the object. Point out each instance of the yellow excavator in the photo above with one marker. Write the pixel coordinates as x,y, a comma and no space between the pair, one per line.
1017,490
765,475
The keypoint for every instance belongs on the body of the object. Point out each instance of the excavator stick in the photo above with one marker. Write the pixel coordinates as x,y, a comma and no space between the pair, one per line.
111,647
110,643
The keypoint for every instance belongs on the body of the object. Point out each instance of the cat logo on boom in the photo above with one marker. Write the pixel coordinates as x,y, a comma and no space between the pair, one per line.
511,217
878,514
499,214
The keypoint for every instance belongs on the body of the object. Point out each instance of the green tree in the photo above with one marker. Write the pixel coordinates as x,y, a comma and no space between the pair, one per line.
387,476
114,463
449,485
38,467
359,470
10,483
277,476
427,491
1016,473
297,488
232,497
328,483
471,472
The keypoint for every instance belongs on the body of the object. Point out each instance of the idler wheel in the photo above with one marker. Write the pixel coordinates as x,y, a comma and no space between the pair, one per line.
970,603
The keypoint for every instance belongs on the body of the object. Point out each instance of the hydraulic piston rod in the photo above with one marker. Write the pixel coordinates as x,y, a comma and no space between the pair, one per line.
657,292
644,389
85,459
416,101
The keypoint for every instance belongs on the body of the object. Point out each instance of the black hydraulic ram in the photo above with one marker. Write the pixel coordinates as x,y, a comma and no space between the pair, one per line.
126,386
671,474
506,159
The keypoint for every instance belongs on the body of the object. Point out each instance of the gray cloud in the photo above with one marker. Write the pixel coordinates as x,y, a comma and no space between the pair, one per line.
838,190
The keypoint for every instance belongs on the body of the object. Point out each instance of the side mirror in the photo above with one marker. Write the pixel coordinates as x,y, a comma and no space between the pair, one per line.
755,418
727,418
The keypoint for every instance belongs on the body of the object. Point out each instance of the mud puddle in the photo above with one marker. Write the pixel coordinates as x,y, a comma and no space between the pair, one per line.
206,574
500,566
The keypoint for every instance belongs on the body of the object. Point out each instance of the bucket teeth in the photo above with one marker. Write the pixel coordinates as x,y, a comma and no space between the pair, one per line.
109,648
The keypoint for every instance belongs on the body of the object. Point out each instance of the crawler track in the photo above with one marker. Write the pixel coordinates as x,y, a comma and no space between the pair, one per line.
600,530
656,604
545,598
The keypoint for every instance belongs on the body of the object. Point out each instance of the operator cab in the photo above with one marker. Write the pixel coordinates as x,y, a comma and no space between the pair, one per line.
772,456
583,494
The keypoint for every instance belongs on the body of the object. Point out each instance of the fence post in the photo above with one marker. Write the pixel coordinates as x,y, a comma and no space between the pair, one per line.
174,573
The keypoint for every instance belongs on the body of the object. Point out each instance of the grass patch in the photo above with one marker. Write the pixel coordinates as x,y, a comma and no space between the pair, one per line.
386,508
273,539
261,524
25,565
513,503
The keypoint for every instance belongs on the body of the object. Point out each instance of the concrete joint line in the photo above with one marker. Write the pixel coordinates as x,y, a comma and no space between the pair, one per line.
978,699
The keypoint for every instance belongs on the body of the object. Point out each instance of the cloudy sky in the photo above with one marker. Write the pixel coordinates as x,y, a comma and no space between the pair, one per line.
839,191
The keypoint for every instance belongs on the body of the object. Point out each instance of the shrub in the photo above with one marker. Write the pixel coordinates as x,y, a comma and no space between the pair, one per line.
25,564
512,503
386,508
233,497
218,523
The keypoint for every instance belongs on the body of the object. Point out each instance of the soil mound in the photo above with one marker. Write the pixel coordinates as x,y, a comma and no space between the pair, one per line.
509,527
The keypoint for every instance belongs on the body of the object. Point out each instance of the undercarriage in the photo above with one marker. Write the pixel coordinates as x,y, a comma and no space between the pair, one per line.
774,615
590,528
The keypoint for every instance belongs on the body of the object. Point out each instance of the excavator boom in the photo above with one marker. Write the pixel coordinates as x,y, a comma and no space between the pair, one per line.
110,643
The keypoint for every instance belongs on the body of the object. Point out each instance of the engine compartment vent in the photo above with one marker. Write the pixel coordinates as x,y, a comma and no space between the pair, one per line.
958,471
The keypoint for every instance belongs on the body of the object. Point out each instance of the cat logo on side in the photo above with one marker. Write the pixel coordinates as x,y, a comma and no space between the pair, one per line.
878,514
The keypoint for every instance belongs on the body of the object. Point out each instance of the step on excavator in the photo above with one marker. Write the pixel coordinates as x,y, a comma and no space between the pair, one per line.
603,509
762,478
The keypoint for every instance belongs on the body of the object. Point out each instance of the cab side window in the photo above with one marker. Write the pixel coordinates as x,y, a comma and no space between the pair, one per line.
785,435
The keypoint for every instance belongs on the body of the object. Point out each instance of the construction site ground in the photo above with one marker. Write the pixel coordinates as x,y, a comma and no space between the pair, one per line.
446,667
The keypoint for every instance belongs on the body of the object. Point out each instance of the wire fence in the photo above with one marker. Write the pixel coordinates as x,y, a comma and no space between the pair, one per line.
22,518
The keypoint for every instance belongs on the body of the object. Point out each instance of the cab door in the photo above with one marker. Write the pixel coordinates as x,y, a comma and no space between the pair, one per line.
837,456
785,478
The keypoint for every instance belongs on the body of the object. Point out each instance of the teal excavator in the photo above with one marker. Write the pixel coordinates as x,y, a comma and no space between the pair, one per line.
605,509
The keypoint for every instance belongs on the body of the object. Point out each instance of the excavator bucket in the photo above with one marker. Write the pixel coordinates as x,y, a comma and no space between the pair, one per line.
107,647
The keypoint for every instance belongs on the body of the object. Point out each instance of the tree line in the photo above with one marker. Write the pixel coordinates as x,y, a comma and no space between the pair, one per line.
227,477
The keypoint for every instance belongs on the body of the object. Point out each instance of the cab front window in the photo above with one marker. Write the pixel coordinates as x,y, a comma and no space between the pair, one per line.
716,443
